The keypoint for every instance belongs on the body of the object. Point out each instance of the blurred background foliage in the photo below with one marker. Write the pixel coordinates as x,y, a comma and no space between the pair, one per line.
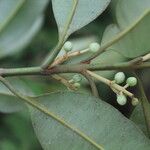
16,131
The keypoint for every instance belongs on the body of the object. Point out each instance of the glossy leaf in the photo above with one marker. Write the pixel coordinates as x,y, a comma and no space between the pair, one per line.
97,119
85,12
19,22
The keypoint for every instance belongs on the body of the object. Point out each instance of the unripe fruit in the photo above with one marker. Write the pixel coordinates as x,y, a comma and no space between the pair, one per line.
77,85
135,101
131,81
121,99
68,46
94,47
71,81
77,78
119,77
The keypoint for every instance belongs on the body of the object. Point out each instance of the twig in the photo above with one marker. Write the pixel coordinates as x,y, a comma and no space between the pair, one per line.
67,56
111,84
77,68
64,81
146,57
92,84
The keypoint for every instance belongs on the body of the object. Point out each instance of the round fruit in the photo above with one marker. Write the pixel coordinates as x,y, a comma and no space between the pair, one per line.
131,81
135,101
68,46
121,99
77,78
77,85
119,77
94,47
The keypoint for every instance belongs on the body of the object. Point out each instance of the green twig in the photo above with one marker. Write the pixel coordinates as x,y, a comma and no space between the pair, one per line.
73,68
20,71
96,67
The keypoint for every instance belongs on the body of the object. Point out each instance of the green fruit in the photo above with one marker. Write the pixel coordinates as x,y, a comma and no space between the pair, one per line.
131,81
68,46
77,85
77,78
119,77
121,99
94,47
135,101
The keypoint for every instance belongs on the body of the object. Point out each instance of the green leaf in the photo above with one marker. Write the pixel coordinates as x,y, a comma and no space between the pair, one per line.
7,145
98,120
10,103
19,22
111,31
85,12
17,128
138,117
126,11
136,40
27,86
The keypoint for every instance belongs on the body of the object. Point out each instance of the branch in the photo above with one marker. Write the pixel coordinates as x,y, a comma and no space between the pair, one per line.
42,108
20,71
96,67
78,68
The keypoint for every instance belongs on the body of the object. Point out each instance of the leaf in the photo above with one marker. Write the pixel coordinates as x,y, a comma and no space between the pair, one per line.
27,86
10,103
137,117
135,43
17,128
126,11
85,12
19,22
97,119
111,31
8,144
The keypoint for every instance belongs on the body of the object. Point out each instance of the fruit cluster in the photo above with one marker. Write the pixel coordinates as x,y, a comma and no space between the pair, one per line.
130,82
76,80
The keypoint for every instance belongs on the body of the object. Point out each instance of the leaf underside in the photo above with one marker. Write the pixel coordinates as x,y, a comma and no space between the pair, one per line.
95,118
